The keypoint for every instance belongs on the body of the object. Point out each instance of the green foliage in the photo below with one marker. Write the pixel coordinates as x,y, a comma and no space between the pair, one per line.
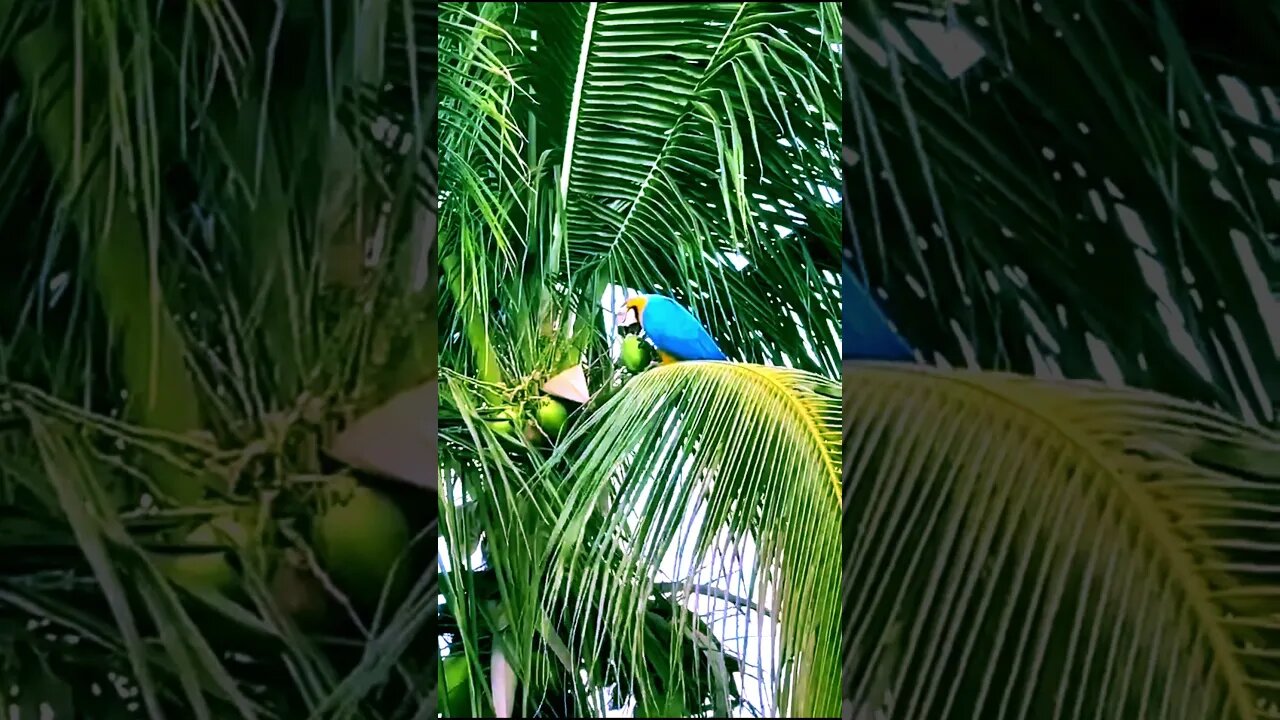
1094,179
755,451
1088,194
217,222
1028,545
688,149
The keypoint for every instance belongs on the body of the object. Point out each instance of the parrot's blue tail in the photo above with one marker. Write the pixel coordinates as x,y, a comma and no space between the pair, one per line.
867,335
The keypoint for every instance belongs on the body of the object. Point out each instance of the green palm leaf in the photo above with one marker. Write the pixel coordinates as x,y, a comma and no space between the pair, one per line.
707,463
218,242
1032,548
688,149
712,128
1021,149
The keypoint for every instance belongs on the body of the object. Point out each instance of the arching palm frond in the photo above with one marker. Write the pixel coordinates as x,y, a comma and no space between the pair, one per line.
1029,548
690,469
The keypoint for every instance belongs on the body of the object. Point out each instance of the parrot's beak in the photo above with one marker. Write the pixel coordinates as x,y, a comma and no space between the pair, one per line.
626,317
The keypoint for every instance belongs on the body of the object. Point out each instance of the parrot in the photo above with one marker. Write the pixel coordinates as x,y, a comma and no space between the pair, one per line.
867,334
675,333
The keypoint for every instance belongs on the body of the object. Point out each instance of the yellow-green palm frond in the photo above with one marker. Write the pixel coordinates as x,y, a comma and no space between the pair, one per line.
691,470
1025,548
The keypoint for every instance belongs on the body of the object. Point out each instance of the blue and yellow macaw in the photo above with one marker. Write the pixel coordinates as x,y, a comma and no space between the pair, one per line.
867,334
675,333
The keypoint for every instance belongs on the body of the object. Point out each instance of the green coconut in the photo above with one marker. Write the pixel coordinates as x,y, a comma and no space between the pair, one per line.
636,354
359,538
298,592
208,571
455,687
551,416
505,422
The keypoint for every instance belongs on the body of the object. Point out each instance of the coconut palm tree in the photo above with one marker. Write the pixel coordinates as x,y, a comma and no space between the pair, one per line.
1069,210
662,543
218,223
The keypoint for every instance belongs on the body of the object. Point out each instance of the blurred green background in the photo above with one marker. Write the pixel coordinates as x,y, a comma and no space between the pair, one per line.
218,223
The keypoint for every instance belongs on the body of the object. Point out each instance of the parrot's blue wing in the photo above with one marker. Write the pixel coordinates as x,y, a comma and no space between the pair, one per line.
867,335
675,331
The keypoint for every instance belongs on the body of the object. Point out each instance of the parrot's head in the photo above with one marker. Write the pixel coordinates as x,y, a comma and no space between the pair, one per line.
632,310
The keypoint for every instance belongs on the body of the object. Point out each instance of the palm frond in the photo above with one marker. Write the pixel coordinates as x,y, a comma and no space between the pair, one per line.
219,222
587,148
492,504
712,129
998,153
691,469
482,170
626,176
1025,548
